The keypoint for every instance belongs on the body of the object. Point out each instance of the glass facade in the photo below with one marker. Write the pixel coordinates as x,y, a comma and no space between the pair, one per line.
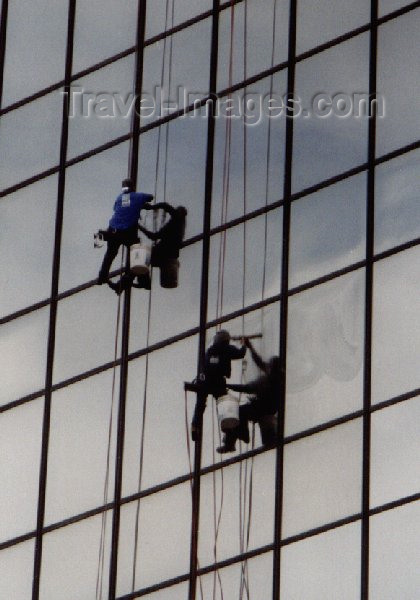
303,225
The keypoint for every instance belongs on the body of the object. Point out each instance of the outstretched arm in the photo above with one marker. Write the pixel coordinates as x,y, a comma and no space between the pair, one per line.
256,357
152,235
164,205
237,353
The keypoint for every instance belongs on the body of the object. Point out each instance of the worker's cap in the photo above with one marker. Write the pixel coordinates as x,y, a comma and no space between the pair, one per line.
222,337
127,183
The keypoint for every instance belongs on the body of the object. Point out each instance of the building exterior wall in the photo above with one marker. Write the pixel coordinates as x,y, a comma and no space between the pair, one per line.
303,225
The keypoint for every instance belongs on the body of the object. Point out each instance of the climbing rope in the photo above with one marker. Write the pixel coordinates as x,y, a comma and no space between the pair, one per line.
100,572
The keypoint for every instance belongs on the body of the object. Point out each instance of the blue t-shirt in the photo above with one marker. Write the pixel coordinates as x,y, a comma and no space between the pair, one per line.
127,209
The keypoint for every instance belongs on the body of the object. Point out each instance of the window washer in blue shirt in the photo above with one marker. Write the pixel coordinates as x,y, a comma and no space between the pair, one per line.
123,225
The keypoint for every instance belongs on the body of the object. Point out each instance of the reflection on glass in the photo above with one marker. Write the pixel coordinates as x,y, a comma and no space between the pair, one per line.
398,66
329,145
253,577
16,570
395,452
102,29
397,210
317,23
394,540
27,259
258,137
160,12
396,331
20,452
86,329
237,279
164,531
387,6
91,189
165,443
23,348
178,176
30,138
100,106
237,506
35,48
70,560
263,20
80,421
324,566
328,465
325,352
175,310
328,230
186,73
266,322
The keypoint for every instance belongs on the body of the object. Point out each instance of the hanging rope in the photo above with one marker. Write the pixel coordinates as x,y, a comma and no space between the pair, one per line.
101,557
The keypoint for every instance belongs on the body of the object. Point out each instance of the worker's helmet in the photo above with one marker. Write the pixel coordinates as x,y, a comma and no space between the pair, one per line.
127,184
222,337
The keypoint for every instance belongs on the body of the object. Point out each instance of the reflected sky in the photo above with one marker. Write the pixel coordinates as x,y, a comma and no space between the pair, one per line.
325,327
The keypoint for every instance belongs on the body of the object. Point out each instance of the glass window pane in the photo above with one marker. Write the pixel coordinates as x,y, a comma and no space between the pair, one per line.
165,431
187,295
35,48
254,577
188,77
387,6
324,566
86,327
262,22
16,571
394,542
70,560
238,279
102,28
328,464
328,230
396,328
183,180
27,259
164,531
266,322
80,420
228,496
156,16
397,209
317,23
91,188
398,66
100,106
23,348
20,452
30,139
395,452
325,352
329,145
250,174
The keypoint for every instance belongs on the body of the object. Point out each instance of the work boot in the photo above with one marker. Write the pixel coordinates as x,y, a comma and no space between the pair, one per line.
117,287
226,448
101,279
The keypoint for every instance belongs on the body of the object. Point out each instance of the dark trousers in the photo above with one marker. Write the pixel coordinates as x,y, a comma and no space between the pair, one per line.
216,387
249,412
115,238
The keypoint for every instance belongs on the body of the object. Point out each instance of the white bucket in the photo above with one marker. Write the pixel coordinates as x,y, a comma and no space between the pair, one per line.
140,259
228,411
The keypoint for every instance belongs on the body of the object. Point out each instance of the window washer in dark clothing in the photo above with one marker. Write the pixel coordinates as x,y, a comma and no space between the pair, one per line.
123,225
217,366
264,401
